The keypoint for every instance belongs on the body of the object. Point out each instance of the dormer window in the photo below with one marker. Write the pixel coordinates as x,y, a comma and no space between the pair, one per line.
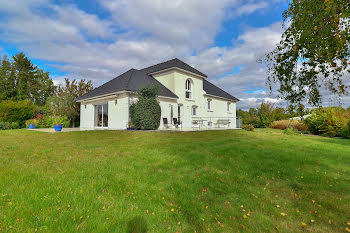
188,89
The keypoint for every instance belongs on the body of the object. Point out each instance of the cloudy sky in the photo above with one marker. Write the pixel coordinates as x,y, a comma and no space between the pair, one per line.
100,39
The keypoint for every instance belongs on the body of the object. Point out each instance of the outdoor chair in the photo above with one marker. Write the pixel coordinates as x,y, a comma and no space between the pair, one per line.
165,123
195,124
177,123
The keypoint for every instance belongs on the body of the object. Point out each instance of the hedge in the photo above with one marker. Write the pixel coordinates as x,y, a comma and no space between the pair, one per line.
16,111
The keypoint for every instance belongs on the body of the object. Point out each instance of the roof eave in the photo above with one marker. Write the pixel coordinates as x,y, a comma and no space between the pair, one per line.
220,97
177,68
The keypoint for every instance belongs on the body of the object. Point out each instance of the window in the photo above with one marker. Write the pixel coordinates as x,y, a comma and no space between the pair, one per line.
101,115
209,107
188,89
228,107
194,110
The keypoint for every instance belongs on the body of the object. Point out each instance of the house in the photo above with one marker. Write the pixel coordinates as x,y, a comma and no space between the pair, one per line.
186,98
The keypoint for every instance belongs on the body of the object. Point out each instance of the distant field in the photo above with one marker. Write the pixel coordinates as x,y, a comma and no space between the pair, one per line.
217,181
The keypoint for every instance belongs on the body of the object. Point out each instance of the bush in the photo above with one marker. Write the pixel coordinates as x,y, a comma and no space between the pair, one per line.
248,127
291,131
31,122
12,111
331,121
346,132
47,121
9,125
146,112
285,124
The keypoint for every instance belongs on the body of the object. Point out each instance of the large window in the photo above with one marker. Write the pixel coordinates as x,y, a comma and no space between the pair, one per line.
188,89
101,115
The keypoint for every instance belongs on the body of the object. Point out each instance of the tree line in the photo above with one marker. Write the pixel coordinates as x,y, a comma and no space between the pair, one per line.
21,80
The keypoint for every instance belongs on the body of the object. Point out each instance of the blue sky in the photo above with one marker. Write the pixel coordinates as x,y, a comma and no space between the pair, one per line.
98,40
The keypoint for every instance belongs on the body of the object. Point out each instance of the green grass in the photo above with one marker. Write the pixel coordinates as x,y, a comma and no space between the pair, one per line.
218,181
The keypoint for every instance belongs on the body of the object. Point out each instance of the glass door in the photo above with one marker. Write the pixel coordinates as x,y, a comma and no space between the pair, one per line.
101,115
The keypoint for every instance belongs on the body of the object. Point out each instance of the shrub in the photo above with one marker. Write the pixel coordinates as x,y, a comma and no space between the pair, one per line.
31,122
291,131
346,132
61,120
248,127
331,121
47,121
9,125
285,124
145,113
12,111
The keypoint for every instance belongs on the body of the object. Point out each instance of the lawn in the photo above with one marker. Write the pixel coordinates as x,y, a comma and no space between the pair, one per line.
218,181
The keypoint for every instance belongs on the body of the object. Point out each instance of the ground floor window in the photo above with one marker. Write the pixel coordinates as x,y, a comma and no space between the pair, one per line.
101,115
194,110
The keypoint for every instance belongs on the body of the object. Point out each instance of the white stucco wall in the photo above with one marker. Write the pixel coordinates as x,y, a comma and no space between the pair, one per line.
199,99
118,112
87,116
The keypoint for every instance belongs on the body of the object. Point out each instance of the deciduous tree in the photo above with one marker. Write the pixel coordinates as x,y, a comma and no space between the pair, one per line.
313,52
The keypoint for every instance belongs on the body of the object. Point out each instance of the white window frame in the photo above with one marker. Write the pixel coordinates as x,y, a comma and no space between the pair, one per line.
188,87
102,120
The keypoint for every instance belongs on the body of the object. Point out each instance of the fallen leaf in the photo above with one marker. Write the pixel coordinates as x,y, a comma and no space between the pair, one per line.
283,214
278,206
347,229
245,216
303,224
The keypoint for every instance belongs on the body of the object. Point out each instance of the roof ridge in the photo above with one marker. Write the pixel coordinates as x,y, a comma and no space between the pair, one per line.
158,64
129,78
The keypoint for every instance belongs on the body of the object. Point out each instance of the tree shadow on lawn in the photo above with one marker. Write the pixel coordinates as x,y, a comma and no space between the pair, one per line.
137,224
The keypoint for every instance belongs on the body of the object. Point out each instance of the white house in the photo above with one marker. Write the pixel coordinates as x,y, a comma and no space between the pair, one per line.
186,98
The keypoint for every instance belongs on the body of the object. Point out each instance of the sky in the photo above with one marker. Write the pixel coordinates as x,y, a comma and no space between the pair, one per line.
99,40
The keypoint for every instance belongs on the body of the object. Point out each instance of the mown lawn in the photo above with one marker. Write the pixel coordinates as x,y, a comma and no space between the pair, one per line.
223,181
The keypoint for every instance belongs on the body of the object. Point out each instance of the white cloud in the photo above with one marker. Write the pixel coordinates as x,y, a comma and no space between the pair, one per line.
251,7
153,31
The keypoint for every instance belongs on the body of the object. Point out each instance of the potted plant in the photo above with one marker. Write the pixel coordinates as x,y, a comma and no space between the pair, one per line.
31,123
58,124
131,126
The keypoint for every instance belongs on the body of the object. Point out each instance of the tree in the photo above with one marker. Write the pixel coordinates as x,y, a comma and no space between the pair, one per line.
21,80
313,51
63,103
146,112
7,79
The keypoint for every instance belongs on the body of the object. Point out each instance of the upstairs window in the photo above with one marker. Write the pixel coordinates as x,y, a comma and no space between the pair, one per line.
188,89
228,107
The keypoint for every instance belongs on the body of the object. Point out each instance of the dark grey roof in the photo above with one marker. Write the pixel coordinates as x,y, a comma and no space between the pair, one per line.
131,80
211,89
170,64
